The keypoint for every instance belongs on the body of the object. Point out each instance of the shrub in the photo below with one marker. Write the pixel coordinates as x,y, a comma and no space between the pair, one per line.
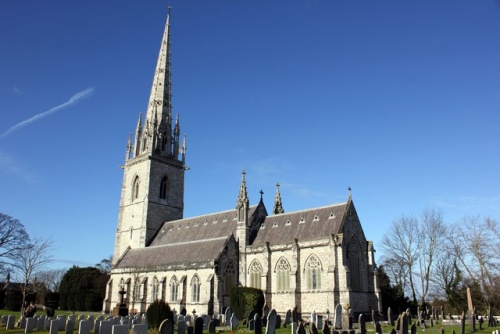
157,312
244,300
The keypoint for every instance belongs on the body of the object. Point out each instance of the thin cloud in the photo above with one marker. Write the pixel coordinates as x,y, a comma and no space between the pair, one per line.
17,91
8,165
73,100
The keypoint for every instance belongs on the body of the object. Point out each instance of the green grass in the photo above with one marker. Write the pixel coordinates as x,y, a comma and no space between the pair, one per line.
242,330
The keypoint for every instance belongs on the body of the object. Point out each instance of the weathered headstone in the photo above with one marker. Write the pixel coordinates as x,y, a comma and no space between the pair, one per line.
293,328
84,327
313,317
314,329
271,322
288,318
265,311
212,325
362,324
234,322
378,328
11,322
390,320
403,324
278,321
139,329
319,321
40,324
166,327
106,327
338,317
54,326
198,326
251,325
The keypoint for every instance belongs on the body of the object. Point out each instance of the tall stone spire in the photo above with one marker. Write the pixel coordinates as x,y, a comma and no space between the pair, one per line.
278,205
242,204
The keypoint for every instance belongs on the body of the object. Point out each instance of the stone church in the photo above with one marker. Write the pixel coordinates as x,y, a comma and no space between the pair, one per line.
313,259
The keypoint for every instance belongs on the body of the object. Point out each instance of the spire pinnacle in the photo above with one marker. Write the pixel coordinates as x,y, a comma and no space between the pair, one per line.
278,205
243,196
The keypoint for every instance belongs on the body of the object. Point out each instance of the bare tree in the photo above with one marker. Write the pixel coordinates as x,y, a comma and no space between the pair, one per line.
29,260
13,237
51,278
399,246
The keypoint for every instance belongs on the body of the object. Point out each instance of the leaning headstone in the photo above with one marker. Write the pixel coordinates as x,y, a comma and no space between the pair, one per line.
166,327
234,322
11,322
389,317
70,326
30,324
362,324
198,326
271,322
326,328
139,329
181,327
119,329
212,325
338,317
84,327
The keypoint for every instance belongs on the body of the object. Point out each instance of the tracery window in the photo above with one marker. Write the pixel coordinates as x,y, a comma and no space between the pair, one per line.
282,275
313,273
255,271
155,291
195,289
174,289
135,188
229,276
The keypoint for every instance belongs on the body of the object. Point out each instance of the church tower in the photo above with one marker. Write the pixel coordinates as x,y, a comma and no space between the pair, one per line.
153,173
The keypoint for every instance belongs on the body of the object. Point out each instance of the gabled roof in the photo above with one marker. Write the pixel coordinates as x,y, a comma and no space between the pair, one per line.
176,255
305,225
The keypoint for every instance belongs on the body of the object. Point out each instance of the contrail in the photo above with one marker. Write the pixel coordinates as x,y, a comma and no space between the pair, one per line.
73,100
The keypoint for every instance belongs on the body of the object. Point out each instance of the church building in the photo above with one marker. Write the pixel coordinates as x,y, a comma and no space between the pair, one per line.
313,259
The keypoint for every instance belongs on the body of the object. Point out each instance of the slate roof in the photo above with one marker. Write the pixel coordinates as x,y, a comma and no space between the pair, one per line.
305,225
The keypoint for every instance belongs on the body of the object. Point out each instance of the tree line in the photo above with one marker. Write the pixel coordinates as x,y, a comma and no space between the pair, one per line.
428,260
24,263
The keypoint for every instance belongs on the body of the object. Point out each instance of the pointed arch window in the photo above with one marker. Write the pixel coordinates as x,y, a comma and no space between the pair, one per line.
135,188
282,275
155,287
255,271
313,273
174,289
353,263
164,187
229,277
195,289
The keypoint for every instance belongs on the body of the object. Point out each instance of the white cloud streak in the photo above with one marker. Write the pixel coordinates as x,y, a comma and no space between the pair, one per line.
73,100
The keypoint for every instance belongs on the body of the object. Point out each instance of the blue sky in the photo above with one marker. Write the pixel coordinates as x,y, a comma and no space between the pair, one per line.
398,99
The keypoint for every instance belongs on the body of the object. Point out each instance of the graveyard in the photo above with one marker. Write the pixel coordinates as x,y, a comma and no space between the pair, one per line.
65,322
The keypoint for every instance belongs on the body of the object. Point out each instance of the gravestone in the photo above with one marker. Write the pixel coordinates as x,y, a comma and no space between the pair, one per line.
313,317
119,329
288,318
326,328
227,316
362,324
105,327
265,311
234,322
54,326
206,320
4,320
271,322
40,324
413,329
212,325
338,317
462,324
22,322
301,329
30,324
166,327
389,317
97,324
188,319
293,327
181,327
319,321
198,326
84,327
11,321
258,324
378,328
278,321
62,322
70,326
403,324
139,329
314,329
251,325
